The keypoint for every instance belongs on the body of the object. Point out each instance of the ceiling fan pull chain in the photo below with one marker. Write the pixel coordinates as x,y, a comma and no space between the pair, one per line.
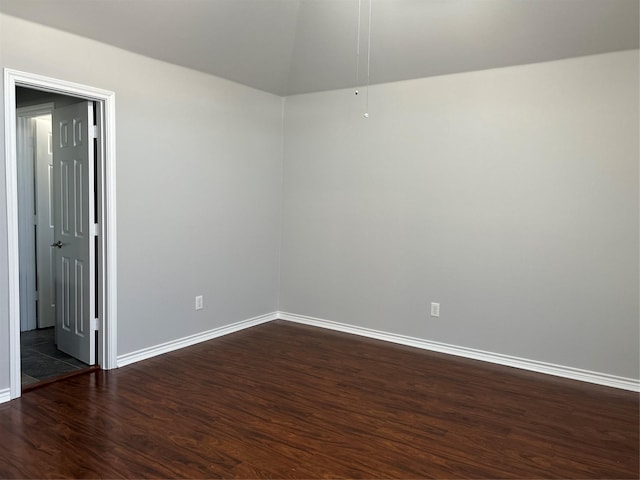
358,46
366,113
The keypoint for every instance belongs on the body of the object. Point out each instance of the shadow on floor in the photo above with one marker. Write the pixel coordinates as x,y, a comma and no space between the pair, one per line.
40,358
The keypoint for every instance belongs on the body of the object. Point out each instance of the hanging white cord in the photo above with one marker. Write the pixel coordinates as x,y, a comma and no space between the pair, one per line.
358,47
366,113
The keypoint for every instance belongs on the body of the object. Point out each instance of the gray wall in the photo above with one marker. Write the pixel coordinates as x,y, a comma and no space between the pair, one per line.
198,187
510,196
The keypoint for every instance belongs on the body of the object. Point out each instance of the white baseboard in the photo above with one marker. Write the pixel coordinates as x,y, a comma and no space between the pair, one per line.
510,361
507,360
143,354
5,395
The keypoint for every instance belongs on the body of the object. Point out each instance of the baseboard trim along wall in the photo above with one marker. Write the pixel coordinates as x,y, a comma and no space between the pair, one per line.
143,354
507,360
5,395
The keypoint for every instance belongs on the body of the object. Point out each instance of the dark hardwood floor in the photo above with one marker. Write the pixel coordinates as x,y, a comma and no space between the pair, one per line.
288,401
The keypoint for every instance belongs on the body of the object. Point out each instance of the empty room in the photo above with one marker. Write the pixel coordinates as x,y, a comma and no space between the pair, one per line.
320,239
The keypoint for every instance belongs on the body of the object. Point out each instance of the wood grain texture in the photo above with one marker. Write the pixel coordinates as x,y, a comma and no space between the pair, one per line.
282,400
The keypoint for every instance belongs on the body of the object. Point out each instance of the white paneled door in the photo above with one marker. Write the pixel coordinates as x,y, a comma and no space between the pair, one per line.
73,176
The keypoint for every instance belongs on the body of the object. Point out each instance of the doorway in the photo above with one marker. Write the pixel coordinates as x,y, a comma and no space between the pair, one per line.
99,277
40,197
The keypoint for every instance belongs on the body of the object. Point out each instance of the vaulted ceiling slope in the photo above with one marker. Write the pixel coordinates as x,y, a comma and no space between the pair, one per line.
297,46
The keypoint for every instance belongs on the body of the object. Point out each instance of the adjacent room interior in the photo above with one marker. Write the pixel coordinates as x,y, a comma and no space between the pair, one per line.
419,190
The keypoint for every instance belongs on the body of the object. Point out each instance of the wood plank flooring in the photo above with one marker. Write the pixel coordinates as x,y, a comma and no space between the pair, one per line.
282,400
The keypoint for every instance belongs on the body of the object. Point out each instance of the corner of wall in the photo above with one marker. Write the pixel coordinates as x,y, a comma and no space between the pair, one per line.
283,101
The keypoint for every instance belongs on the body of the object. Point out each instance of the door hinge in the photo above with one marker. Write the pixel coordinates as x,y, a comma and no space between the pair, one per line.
95,324
93,131
95,230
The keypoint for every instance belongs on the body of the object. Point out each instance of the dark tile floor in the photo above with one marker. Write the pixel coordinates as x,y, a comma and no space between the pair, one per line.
41,360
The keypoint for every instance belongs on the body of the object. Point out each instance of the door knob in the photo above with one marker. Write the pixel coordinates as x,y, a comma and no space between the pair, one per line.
58,244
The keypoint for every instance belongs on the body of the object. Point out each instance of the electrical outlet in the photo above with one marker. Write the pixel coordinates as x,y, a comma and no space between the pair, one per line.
199,302
435,309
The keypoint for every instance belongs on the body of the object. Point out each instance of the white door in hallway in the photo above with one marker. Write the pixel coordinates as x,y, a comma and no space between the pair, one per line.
74,253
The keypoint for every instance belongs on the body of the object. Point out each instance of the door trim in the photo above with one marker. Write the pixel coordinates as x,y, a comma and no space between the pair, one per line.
107,329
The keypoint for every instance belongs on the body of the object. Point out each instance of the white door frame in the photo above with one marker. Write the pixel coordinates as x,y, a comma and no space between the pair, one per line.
107,328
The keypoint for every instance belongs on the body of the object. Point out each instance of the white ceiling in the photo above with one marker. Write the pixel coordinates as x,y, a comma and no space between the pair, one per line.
298,46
